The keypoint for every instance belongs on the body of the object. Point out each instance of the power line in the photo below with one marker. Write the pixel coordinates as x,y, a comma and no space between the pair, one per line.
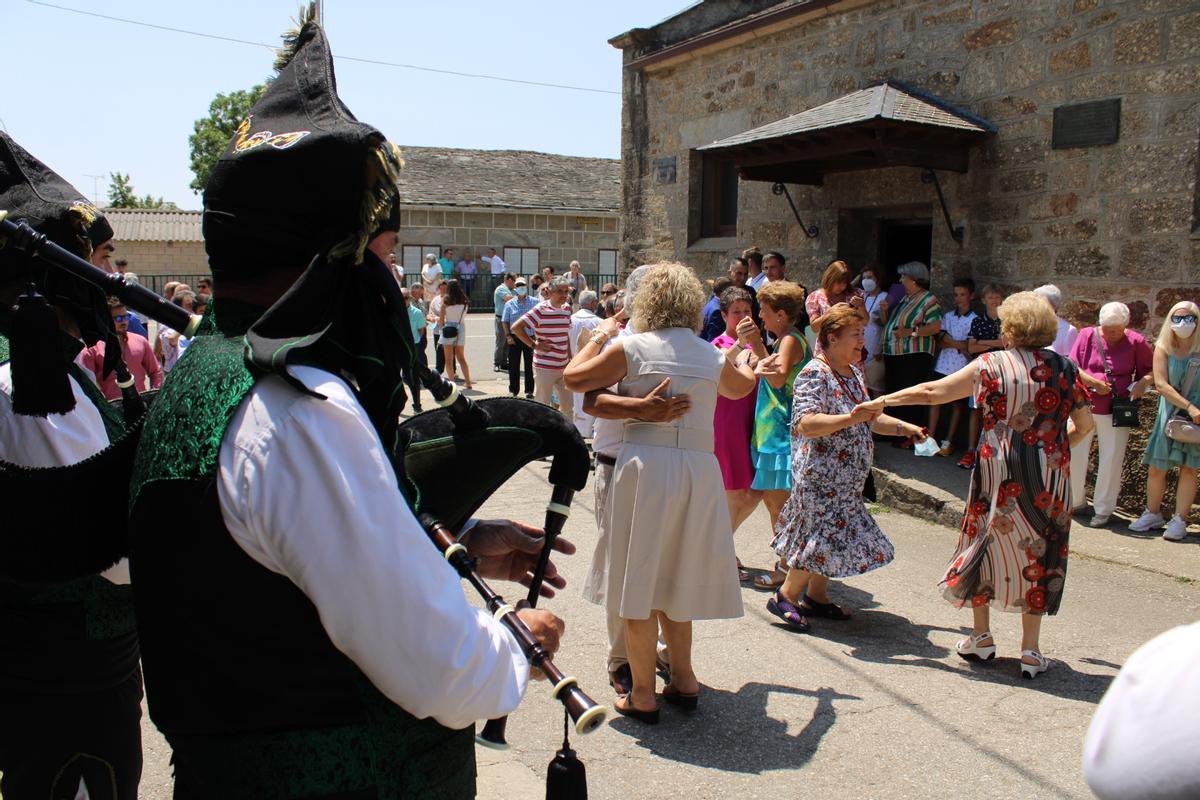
375,62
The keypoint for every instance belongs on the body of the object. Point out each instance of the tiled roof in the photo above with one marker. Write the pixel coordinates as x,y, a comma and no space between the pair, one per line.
151,225
890,100
508,179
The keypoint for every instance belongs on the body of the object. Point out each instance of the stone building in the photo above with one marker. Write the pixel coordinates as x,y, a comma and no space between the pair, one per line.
1062,135
159,244
536,209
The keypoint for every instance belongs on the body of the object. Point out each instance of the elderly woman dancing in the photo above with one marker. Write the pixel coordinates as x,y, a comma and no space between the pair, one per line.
1012,554
824,530
668,563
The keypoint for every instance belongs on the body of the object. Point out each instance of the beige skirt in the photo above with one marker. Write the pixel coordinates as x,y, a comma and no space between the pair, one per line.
668,546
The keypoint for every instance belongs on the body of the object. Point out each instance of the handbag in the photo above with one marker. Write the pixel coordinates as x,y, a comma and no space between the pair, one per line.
450,329
1180,427
1124,409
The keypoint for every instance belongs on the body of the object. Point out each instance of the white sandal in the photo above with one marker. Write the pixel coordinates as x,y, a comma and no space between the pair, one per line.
970,649
1033,670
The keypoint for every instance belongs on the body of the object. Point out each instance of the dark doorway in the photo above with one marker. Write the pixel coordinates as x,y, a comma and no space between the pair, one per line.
903,240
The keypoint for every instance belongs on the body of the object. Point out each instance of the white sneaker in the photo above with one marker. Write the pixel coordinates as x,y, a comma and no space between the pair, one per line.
1099,521
1147,521
1177,530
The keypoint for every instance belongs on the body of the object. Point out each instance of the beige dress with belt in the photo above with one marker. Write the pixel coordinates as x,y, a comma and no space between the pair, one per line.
669,546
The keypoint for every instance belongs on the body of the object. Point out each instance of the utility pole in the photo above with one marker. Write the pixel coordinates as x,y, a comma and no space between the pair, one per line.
95,187
320,12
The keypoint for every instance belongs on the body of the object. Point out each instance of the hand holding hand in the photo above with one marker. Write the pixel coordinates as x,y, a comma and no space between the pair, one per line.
768,366
747,332
657,407
863,413
507,550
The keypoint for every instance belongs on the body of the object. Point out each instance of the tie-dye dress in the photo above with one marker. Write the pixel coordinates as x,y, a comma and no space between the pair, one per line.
1012,553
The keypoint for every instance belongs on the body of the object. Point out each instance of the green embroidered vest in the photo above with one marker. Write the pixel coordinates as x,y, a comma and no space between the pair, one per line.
240,675
77,635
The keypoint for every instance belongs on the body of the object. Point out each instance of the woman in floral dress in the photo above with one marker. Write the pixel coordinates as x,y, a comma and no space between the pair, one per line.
824,529
1012,553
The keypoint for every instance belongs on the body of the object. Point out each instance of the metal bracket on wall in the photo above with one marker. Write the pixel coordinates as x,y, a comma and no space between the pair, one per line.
811,231
929,176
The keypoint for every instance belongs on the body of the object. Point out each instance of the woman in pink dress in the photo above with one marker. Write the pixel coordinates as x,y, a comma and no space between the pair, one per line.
733,423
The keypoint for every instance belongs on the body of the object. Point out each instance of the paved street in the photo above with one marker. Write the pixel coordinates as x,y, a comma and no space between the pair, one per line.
877,707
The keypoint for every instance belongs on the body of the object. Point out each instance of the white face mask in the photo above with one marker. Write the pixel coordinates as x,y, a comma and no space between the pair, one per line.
1183,330
521,290
868,284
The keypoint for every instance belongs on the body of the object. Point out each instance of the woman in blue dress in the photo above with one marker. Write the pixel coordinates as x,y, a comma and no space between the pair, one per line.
783,315
1177,377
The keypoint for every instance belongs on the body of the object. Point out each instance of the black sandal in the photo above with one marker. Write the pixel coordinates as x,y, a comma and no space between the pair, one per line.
783,608
823,610
687,702
648,717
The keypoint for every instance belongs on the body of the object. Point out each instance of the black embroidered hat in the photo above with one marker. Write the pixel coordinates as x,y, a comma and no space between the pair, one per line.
302,176
301,190
31,191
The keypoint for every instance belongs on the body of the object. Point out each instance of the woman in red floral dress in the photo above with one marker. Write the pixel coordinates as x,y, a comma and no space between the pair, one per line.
1012,554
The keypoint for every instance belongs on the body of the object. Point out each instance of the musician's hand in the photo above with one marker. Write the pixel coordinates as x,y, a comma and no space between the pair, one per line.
508,550
546,628
655,407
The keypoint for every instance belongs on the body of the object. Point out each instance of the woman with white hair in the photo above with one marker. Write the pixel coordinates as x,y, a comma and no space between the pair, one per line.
667,563
1064,340
1114,362
909,335
431,275
1177,376
578,283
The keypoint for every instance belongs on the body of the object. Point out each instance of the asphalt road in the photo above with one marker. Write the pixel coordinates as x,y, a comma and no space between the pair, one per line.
877,707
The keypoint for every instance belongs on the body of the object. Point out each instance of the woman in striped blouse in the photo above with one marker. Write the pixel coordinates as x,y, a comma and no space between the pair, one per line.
908,337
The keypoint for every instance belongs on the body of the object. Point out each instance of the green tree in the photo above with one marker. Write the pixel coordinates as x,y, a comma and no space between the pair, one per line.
122,195
211,134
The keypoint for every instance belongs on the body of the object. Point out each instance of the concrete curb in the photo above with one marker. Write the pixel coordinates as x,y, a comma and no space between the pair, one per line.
917,499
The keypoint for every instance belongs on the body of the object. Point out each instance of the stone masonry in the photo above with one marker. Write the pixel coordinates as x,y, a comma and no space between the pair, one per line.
1104,222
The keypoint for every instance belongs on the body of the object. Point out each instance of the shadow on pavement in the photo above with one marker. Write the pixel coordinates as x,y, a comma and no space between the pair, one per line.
710,736
881,637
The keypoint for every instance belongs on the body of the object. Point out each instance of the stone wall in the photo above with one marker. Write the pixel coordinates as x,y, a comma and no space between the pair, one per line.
561,237
1111,222
164,258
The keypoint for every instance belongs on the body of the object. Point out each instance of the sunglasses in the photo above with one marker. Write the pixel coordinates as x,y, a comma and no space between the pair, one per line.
122,317
1177,318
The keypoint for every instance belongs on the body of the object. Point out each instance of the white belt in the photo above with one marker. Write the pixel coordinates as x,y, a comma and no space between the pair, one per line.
662,436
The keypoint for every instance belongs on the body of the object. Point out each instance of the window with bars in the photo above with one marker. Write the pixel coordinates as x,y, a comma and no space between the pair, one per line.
522,260
606,262
412,256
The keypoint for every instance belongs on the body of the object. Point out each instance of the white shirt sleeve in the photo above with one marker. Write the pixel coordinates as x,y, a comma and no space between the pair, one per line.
306,490
55,440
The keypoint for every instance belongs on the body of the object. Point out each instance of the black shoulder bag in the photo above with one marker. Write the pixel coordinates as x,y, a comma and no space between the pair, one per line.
1124,409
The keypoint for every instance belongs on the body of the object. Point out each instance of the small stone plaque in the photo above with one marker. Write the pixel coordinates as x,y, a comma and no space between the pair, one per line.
1087,124
664,170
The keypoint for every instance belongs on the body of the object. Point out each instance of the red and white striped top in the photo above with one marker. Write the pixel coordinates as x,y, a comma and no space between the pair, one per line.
552,326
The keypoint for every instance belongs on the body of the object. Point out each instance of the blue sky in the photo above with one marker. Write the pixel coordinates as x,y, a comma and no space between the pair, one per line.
92,96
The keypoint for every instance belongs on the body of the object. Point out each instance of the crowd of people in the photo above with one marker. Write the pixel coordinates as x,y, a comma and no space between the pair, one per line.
786,406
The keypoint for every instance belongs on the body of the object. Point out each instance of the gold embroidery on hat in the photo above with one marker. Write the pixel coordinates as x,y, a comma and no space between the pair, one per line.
280,141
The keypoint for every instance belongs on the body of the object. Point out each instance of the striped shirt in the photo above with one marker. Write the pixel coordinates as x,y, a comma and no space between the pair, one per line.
552,326
913,311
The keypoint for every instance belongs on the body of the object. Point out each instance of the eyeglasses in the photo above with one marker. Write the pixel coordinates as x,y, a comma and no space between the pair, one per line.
1177,318
122,317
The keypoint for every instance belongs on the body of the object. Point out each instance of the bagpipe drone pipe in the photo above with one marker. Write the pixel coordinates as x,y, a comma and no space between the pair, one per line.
75,507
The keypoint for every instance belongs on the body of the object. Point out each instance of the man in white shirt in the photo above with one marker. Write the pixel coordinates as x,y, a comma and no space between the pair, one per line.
298,616
497,263
1064,340
583,322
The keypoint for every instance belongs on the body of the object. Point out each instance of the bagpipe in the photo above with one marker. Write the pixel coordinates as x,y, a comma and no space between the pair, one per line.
69,544
482,445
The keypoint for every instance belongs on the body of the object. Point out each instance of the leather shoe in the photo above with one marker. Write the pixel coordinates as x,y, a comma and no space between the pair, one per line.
621,679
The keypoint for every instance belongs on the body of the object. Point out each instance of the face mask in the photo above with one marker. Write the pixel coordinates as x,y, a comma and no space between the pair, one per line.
1183,330
868,284
521,290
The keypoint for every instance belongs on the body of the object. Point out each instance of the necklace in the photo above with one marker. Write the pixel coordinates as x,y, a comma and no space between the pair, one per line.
856,395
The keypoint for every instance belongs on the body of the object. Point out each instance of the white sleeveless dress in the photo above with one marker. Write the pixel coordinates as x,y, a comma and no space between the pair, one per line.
669,546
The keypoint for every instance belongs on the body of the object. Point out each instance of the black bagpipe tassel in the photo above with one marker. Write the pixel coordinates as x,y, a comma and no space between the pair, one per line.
39,364
566,778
